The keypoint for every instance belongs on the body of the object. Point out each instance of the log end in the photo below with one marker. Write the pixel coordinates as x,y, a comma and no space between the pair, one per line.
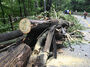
25,25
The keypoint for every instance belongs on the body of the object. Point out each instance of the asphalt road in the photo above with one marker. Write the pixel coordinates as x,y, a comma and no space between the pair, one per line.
84,22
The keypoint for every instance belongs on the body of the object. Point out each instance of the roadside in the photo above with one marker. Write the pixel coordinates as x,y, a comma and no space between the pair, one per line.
77,58
81,13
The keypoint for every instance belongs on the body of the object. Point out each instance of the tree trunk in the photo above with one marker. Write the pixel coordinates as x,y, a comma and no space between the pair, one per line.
36,51
44,5
16,56
10,19
28,6
25,24
10,35
2,13
41,5
49,4
12,8
19,1
24,6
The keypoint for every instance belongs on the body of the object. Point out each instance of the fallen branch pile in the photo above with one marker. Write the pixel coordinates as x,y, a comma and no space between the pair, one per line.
42,37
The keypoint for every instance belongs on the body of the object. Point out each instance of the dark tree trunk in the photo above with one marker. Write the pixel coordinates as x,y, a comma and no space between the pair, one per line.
12,8
10,19
25,11
44,5
49,4
28,6
41,4
10,35
19,1
2,12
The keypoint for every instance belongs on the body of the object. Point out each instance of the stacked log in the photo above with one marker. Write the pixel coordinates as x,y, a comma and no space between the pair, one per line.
41,38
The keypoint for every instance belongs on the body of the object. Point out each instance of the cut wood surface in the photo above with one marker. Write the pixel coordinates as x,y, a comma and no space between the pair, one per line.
25,25
10,35
15,56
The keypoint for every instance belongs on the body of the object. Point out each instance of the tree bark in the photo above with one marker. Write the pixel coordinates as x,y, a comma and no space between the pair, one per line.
24,6
10,35
25,24
19,1
2,13
15,56
36,51
10,19
49,4
44,5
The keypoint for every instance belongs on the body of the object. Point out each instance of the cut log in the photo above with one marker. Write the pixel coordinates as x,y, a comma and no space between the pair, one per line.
25,25
32,36
54,47
43,56
10,35
15,56
49,39
10,43
36,50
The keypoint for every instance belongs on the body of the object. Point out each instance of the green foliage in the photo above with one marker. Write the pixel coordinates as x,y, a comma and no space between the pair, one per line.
76,26
79,5
35,7
7,27
70,18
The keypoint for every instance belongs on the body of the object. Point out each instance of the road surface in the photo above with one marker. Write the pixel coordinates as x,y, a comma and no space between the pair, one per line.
80,57
84,22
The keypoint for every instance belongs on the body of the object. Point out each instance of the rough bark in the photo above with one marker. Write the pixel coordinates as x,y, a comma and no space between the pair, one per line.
35,32
15,56
45,54
37,48
25,24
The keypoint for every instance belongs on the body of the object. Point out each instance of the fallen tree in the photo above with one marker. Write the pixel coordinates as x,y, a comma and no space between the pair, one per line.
44,45
10,35
42,37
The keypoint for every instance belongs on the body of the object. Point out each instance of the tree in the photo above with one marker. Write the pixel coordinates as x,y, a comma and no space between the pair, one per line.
49,4
2,12
19,1
24,6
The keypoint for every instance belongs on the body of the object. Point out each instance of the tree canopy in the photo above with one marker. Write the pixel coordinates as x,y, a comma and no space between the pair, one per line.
29,7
